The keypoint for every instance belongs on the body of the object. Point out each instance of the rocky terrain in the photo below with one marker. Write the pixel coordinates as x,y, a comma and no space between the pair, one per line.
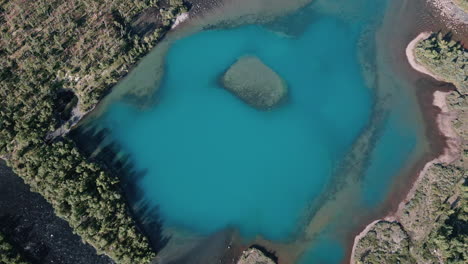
254,256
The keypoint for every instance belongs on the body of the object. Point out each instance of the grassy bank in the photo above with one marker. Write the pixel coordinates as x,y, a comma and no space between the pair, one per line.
431,225
60,55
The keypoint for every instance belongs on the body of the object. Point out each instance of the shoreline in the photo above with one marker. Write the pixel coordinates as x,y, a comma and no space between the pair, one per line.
418,171
444,124
412,59
30,222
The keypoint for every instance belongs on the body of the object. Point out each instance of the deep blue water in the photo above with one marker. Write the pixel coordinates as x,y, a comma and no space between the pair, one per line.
213,162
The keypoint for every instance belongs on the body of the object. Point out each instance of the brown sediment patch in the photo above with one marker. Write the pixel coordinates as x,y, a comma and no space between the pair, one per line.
437,144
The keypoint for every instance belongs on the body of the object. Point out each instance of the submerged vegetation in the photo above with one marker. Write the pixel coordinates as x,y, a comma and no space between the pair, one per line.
434,222
48,48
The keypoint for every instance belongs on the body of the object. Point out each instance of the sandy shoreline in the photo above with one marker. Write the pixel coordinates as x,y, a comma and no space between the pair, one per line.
412,60
444,123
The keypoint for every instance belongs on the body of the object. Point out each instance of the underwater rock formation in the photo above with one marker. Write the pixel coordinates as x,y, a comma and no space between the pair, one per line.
255,83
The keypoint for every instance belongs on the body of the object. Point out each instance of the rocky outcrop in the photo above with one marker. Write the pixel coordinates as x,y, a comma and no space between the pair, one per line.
254,256
255,83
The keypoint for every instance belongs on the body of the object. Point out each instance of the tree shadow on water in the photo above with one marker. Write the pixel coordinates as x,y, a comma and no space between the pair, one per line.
107,152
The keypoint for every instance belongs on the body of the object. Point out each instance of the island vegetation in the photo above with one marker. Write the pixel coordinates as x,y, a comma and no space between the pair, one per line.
56,56
255,83
444,57
257,255
432,225
9,254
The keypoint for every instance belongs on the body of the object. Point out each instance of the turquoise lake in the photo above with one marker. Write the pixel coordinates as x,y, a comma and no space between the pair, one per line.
203,146
211,161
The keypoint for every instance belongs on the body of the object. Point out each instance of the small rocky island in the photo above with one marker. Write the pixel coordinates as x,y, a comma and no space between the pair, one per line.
254,256
255,83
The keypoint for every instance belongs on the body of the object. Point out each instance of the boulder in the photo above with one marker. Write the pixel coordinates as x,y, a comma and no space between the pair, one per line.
255,83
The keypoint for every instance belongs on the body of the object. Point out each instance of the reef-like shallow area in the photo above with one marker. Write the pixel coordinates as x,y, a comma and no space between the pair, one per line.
255,83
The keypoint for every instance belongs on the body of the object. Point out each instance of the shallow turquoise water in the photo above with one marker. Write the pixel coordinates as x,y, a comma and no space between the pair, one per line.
326,251
393,149
212,161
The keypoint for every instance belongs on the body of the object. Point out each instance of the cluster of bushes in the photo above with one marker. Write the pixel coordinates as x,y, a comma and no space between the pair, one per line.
446,58
387,242
9,254
84,46
450,241
443,224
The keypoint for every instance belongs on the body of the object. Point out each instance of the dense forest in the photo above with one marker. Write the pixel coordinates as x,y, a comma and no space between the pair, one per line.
446,58
450,240
58,55
9,254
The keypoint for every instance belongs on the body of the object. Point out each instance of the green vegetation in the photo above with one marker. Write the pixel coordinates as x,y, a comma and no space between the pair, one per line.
255,83
52,47
433,225
9,254
387,242
450,241
445,58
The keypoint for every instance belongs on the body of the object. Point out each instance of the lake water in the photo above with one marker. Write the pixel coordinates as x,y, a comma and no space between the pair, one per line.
212,161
